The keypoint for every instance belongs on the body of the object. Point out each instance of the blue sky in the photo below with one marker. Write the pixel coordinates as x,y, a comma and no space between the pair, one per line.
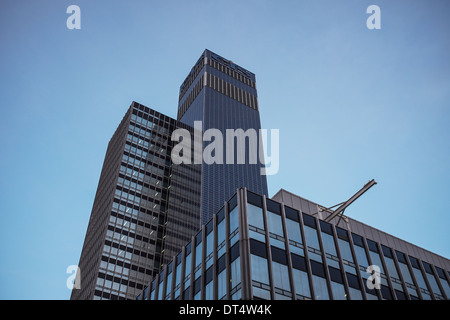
351,104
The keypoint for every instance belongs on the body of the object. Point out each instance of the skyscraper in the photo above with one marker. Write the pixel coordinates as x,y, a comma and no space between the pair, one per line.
146,207
222,95
144,210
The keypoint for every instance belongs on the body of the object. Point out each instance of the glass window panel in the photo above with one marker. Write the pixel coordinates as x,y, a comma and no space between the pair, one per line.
222,284
293,230
296,250
169,285
345,250
445,286
356,294
209,291
361,256
280,276
198,254
255,216
261,293
274,223
419,278
376,260
405,273
234,222
188,265
277,243
320,288
221,232
260,271
209,243
311,237
257,236
301,283
338,291
328,244
235,272
237,295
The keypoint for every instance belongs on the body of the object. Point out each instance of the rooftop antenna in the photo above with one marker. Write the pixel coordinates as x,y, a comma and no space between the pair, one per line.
343,205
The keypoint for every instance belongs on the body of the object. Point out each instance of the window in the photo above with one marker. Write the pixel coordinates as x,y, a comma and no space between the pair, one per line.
259,268
280,273
178,276
255,216
197,288
234,221
274,223
443,280
404,270
188,261
419,278
221,277
311,237
281,278
235,264
198,249
432,281
295,237
209,244
361,256
328,244
221,233
337,284
320,288
161,293
293,230
319,281
346,254
354,287
301,283
392,269
209,288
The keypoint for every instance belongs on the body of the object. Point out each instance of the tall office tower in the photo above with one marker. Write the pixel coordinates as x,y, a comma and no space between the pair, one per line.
144,210
222,95
286,248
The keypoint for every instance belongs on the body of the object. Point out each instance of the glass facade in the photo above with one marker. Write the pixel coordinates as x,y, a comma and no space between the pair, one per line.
262,249
144,211
223,96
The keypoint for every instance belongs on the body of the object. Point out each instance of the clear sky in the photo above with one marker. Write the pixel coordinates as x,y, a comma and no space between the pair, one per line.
352,104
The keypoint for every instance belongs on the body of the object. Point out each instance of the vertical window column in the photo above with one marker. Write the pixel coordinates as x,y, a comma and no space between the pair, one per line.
187,272
376,260
407,276
426,295
332,260
438,294
363,263
177,281
198,266
443,281
314,253
348,262
393,273
169,281
222,230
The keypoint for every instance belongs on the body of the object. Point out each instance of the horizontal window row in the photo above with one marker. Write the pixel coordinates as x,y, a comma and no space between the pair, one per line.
231,91
233,71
